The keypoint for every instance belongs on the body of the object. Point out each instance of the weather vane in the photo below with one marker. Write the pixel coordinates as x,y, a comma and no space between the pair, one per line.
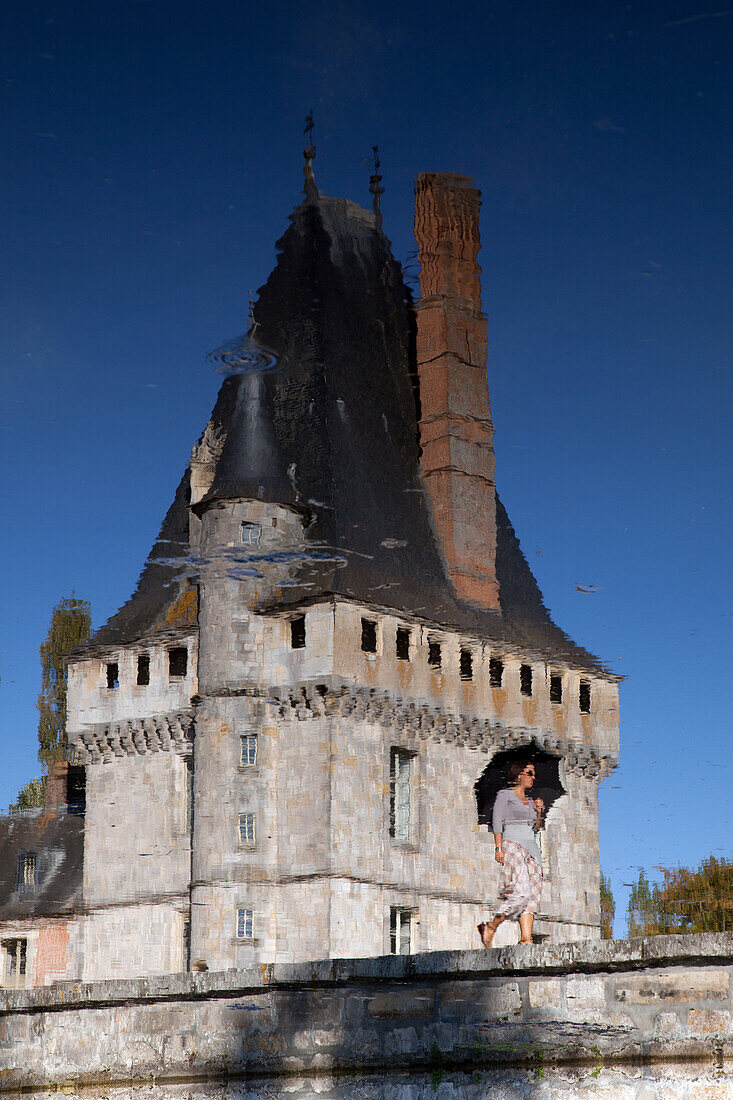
375,187
309,153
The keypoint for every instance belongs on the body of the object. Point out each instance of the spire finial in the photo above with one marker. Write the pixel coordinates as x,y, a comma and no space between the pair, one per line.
375,187
309,153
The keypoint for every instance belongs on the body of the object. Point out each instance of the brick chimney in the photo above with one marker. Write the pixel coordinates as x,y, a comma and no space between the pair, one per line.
57,785
456,432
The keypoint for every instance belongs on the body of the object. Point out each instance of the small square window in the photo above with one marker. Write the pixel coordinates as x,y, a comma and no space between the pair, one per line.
143,669
113,675
297,632
496,672
584,696
177,662
435,656
248,750
525,679
402,644
250,534
245,924
466,664
369,635
400,931
555,689
247,828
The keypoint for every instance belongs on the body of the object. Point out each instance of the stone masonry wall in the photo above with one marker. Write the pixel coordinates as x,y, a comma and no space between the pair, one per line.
602,1004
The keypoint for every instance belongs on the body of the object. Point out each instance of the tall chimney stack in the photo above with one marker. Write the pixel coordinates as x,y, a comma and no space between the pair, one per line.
456,432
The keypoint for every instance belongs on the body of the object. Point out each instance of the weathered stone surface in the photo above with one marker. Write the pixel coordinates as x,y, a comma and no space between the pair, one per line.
545,994
386,1006
677,985
707,1021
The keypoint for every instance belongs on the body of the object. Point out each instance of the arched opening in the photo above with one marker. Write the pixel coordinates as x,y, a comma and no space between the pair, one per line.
548,783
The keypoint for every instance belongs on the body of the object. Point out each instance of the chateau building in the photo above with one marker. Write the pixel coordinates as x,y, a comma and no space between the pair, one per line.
292,731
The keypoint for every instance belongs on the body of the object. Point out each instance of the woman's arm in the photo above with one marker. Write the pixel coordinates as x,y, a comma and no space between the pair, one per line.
498,822
539,808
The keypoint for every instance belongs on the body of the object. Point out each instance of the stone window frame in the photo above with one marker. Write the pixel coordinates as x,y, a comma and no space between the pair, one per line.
178,677
394,928
404,633
246,844
244,765
411,842
18,978
585,692
556,675
244,939
497,669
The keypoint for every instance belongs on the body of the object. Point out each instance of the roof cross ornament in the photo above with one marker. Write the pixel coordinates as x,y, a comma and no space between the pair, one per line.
309,153
375,187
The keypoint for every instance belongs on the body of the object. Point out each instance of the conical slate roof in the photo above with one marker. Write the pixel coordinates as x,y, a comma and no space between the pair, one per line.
332,428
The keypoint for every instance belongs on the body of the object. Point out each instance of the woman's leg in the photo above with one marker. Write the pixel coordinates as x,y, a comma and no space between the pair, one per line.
486,931
526,921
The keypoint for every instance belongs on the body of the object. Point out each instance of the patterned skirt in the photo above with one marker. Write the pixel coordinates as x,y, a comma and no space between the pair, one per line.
520,884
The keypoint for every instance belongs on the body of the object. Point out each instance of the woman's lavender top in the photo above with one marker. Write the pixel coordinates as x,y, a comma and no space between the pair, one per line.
516,821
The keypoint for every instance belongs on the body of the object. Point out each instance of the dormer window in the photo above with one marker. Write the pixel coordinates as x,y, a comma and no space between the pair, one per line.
177,662
113,675
250,534
27,872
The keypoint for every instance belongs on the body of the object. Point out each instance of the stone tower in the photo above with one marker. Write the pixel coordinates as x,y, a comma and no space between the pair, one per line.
292,728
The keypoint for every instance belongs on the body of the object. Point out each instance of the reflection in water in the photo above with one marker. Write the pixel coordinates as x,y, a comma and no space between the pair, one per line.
665,1082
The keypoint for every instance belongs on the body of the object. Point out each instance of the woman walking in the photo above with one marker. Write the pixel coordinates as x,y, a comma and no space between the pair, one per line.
517,818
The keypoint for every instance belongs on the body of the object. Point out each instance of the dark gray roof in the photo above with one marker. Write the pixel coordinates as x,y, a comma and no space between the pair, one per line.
57,839
333,429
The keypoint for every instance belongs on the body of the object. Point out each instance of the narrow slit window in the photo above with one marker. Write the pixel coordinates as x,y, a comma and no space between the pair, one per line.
584,696
496,672
188,794
555,689
113,675
400,931
369,635
297,632
402,644
525,679
177,662
400,794
435,656
466,667
248,750
245,924
247,828
143,669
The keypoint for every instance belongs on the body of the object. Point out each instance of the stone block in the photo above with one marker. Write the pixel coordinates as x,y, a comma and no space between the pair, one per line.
402,1040
676,985
667,1023
387,1006
708,1021
545,994
585,997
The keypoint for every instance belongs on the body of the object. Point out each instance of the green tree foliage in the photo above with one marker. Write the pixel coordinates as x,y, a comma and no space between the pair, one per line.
608,908
71,623
685,901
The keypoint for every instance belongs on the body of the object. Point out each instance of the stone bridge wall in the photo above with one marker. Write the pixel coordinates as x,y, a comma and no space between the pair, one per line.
604,1003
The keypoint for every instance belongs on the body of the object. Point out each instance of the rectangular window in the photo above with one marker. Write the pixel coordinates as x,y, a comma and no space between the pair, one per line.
143,669
496,672
15,959
297,632
556,689
245,924
584,696
435,657
402,645
250,534
27,871
177,662
113,675
247,828
400,794
369,635
466,664
248,750
525,679
400,931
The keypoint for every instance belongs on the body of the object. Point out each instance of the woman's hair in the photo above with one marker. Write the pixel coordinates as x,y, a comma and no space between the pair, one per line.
515,770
